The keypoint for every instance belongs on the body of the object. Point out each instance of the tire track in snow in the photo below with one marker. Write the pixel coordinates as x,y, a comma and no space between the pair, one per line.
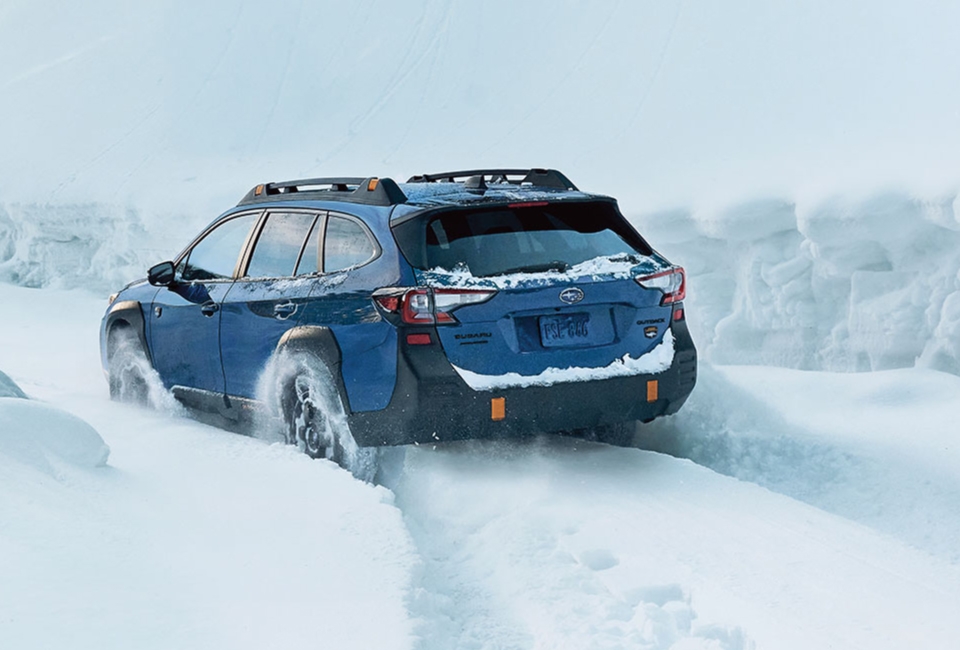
512,557
558,543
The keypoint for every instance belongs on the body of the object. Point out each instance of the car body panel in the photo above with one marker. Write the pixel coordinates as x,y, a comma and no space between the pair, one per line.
185,335
256,314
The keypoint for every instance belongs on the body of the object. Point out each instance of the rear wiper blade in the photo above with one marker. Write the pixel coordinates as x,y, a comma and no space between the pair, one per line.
555,265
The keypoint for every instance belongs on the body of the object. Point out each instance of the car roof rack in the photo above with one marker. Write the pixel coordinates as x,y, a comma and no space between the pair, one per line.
536,177
369,191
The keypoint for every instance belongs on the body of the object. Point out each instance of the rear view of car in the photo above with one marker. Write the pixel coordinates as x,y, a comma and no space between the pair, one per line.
361,312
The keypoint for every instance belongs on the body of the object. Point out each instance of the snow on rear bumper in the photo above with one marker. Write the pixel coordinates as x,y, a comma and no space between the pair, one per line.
433,403
655,361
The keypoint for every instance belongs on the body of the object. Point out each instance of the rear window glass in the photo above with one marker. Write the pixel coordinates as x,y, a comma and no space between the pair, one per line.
503,240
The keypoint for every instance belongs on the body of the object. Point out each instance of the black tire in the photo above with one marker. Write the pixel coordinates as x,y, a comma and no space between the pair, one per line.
127,367
310,415
620,434
314,418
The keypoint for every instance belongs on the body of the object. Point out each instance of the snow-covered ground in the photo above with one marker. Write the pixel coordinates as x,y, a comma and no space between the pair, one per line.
195,537
190,537
798,159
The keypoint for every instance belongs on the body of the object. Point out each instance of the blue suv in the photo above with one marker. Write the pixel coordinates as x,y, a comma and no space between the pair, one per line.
362,312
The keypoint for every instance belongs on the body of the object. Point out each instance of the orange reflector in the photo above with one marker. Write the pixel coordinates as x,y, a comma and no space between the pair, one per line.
258,191
498,408
372,185
652,390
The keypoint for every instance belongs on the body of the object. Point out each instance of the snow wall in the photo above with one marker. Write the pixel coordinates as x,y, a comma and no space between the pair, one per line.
843,284
846,284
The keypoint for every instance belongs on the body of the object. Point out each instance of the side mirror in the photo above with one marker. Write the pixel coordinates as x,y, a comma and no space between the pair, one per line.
162,274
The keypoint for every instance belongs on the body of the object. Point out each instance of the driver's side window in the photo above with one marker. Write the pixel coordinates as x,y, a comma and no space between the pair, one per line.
215,256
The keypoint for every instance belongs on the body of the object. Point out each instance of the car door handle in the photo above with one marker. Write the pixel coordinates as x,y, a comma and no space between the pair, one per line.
286,310
209,308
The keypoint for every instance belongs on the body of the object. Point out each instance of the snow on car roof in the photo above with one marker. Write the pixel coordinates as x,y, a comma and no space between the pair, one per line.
427,195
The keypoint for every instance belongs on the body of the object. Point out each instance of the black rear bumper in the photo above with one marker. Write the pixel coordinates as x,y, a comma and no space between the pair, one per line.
432,403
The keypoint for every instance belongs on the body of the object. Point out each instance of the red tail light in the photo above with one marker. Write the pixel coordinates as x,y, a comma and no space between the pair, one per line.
426,306
673,284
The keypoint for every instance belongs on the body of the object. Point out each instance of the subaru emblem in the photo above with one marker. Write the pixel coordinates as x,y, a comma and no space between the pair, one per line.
571,295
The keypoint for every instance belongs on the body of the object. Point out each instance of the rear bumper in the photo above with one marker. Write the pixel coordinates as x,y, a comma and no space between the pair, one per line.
432,403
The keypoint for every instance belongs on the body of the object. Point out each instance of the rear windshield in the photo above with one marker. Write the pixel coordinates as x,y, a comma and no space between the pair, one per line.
500,240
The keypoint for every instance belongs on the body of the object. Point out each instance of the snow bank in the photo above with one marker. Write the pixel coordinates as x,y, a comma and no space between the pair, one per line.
847,284
40,436
100,247
9,388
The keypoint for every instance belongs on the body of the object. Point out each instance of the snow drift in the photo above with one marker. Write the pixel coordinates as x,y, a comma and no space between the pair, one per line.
97,246
845,284
9,388
877,448
41,436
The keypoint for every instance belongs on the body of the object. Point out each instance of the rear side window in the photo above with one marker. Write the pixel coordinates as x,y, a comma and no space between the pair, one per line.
216,255
346,244
310,260
502,240
279,244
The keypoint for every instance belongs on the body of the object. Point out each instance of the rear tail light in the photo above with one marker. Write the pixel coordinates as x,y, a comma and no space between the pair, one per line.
672,283
425,306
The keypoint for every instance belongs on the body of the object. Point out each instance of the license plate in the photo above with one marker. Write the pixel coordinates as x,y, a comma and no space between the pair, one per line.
564,329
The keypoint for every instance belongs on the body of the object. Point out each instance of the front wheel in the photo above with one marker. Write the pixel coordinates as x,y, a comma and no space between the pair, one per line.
127,368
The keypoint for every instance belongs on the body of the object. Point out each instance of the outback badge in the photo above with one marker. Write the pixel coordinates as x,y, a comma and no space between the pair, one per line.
571,295
650,332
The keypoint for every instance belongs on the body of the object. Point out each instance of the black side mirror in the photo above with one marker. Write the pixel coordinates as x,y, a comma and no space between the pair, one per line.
162,274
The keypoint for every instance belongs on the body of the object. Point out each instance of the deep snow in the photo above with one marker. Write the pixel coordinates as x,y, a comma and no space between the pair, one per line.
799,160
194,537
191,537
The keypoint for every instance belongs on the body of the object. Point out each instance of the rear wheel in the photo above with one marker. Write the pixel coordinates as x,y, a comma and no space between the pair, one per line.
309,419
315,420
127,368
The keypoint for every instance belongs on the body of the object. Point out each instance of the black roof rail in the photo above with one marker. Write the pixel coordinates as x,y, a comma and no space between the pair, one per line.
369,191
536,176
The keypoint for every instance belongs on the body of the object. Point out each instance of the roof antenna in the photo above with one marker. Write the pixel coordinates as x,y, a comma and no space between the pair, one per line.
475,183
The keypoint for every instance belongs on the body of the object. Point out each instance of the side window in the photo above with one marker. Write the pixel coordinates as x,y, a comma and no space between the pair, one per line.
310,260
215,256
346,244
279,244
